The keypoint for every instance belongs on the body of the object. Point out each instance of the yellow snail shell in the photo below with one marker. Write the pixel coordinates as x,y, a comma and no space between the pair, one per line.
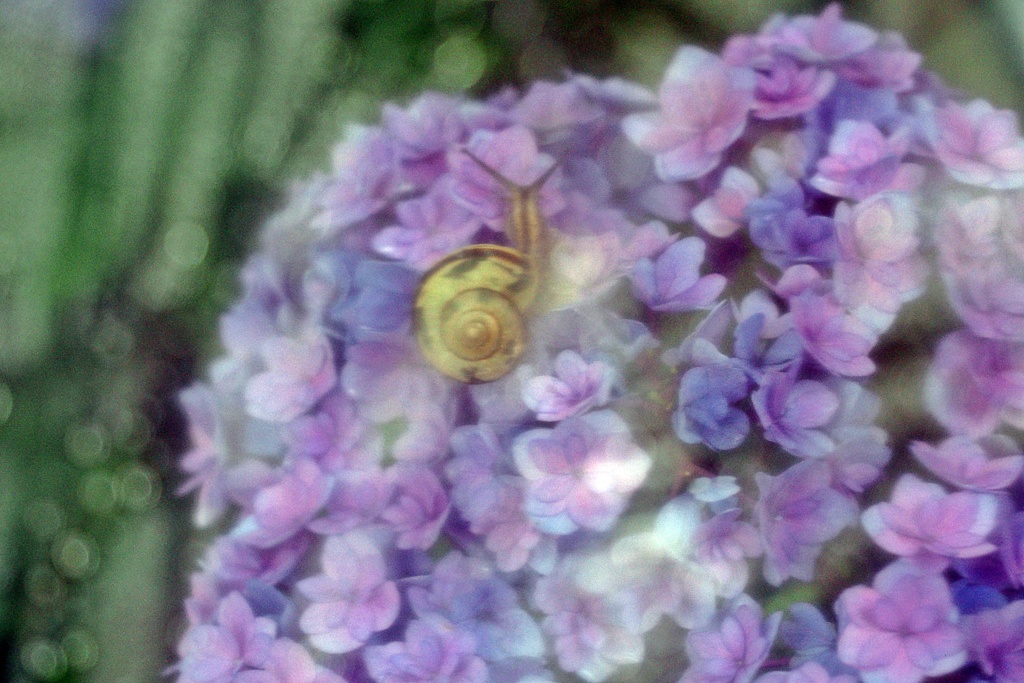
469,311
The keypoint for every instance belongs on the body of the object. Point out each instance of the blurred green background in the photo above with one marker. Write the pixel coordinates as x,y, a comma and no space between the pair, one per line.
142,142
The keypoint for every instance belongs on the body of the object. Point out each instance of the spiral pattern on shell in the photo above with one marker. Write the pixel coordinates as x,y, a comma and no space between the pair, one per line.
468,312
484,327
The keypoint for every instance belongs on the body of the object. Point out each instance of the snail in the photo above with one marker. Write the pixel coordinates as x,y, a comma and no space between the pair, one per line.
470,307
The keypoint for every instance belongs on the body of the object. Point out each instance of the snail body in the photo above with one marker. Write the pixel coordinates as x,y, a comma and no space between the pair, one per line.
469,312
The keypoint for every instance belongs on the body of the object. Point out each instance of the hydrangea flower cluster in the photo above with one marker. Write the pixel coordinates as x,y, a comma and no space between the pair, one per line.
384,523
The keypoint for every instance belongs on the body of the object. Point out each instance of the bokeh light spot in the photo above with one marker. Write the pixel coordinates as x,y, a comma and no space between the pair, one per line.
185,244
459,62
113,339
644,46
44,660
140,488
76,555
81,650
85,444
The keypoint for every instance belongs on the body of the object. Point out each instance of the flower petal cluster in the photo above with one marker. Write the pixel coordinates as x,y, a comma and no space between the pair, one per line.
781,226
976,384
1011,548
986,464
661,572
731,650
787,88
672,282
299,372
590,630
468,593
811,636
723,213
827,38
352,599
704,107
419,509
981,247
706,413
980,145
879,267
722,547
598,512
432,652
809,672
923,519
995,640
575,387
283,508
862,162
203,462
234,639
830,332
238,647
793,411
797,513
581,473
365,178
902,629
